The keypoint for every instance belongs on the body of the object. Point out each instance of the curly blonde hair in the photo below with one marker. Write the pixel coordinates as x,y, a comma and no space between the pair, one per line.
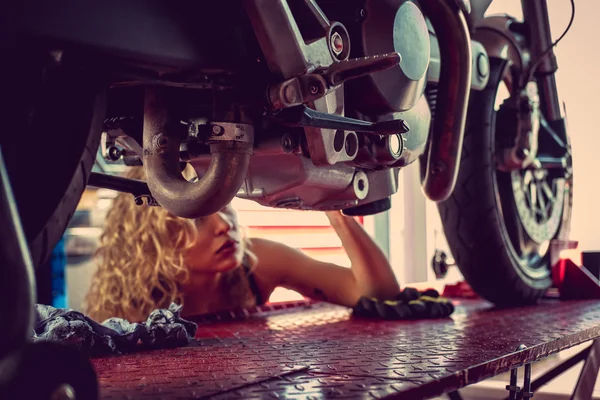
141,262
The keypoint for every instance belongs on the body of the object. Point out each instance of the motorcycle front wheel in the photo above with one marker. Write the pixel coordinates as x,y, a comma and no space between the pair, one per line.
499,225
49,141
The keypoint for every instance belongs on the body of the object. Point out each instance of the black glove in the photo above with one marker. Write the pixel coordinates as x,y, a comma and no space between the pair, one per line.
408,304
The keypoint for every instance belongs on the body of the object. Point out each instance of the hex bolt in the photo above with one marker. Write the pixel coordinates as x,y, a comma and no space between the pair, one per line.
287,143
217,130
162,141
337,43
114,153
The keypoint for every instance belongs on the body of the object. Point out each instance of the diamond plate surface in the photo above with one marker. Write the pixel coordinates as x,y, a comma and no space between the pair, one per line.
313,386
256,354
195,371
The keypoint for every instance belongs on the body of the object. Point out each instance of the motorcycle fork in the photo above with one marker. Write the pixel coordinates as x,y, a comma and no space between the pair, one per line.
535,14
553,143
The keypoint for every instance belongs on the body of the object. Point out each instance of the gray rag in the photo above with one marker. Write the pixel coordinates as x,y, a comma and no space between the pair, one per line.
163,328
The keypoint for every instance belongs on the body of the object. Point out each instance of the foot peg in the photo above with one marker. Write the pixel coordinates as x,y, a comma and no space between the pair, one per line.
310,87
340,72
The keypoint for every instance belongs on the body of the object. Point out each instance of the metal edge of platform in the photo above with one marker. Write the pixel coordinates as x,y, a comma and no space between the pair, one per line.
500,365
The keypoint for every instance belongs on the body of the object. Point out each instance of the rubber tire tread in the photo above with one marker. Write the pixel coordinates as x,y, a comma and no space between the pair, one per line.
57,126
472,219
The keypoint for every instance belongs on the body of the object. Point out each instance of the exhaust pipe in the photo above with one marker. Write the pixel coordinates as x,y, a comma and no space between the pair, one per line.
230,151
445,147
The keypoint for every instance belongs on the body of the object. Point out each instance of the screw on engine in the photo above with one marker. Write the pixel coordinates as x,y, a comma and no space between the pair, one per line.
162,141
337,43
114,153
287,143
217,130
313,88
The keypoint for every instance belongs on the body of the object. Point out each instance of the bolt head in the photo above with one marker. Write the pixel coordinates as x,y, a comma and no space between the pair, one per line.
313,88
217,130
287,144
162,141
483,66
337,43
114,153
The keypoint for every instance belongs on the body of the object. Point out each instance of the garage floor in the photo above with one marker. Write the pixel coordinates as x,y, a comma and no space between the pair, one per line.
317,350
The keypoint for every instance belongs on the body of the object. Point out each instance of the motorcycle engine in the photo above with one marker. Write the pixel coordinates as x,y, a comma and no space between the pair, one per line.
381,27
356,168
309,167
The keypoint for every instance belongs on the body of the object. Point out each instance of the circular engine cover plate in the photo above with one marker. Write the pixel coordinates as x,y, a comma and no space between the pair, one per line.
393,26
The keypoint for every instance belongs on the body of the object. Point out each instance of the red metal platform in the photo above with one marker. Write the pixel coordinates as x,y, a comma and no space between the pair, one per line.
320,351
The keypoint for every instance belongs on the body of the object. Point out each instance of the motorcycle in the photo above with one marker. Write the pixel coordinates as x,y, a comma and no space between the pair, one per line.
302,104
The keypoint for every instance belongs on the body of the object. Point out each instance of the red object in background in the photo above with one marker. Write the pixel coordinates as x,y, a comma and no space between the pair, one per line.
569,276
574,281
460,290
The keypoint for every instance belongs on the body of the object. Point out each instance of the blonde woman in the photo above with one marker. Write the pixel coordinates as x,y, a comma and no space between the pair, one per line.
149,258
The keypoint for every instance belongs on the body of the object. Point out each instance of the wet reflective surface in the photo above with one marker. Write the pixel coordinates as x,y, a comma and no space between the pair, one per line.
321,351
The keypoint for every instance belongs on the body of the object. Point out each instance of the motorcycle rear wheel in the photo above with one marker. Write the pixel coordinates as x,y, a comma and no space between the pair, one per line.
487,211
49,142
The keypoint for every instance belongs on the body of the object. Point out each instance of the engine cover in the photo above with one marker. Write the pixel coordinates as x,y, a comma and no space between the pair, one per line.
391,26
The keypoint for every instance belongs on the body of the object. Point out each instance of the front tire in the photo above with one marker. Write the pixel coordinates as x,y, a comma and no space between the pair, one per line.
487,208
49,142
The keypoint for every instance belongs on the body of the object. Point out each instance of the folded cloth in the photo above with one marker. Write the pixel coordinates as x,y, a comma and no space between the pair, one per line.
409,304
163,328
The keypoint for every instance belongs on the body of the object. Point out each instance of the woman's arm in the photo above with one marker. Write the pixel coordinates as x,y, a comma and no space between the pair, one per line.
370,267
370,274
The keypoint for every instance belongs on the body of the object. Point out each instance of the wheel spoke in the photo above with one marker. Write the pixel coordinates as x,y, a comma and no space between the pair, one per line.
549,132
542,203
548,191
533,195
527,178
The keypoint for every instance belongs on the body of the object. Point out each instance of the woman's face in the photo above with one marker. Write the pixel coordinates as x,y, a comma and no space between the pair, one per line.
218,246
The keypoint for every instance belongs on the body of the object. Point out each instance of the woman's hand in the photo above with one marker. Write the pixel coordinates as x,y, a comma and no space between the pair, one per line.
335,216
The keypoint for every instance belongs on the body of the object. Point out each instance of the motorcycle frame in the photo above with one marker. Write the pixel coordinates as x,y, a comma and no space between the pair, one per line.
170,43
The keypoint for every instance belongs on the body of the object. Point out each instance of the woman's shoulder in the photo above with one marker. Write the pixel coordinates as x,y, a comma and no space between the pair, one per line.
261,246
270,255
269,251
